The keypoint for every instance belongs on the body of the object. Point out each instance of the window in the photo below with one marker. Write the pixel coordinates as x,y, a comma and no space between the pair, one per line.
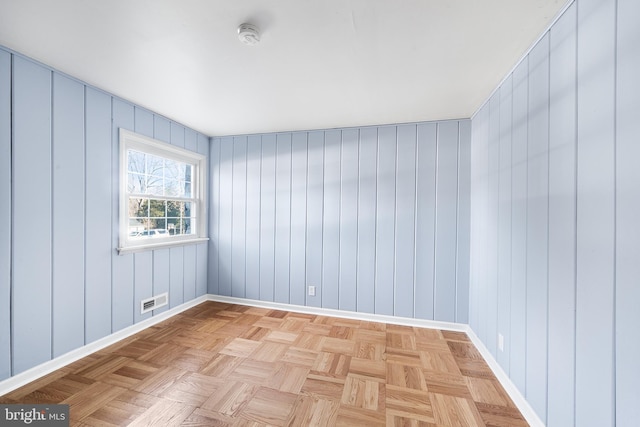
162,194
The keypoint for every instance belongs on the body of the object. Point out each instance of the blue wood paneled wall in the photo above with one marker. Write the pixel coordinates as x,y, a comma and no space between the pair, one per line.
555,202
377,218
62,284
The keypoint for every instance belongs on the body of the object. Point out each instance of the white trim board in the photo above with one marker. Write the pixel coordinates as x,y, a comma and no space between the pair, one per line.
59,362
39,371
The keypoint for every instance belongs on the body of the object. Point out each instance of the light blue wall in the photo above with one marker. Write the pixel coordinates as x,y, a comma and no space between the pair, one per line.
555,202
62,284
377,218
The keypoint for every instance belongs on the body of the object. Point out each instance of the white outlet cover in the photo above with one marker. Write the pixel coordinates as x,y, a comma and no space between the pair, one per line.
500,342
312,291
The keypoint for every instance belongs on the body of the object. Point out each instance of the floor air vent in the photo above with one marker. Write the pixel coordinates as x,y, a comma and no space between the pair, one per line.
152,303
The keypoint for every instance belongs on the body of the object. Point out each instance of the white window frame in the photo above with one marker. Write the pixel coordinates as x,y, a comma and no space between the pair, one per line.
133,141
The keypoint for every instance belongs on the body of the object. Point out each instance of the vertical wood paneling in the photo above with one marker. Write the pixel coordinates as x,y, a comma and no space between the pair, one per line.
446,209
68,204
351,212
518,335
32,225
385,220
65,156
627,214
225,245
161,129
203,144
491,236
283,217
142,283
331,220
537,226
297,290
121,265
267,217
479,137
202,249
485,231
504,224
349,219
595,219
161,275
190,276
214,216
201,269
190,140
405,205
464,223
177,135
98,151
562,220
253,217
367,190
176,276
143,122
425,220
315,172
479,254
5,214
239,217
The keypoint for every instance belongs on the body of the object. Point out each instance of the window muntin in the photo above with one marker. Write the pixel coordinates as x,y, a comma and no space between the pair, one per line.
162,194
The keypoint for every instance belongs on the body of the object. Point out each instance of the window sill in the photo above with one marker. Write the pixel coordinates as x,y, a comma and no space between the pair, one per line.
160,245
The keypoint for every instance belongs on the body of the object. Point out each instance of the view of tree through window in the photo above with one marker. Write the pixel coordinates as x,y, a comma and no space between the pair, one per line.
160,196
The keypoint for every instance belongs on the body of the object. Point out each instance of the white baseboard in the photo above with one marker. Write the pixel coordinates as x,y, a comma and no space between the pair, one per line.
518,399
381,318
45,368
39,371
527,412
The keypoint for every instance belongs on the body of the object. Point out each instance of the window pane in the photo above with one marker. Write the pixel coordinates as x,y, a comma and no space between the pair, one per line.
155,165
136,183
187,226
137,226
187,173
174,170
173,208
154,186
157,208
138,207
176,226
187,189
135,160
158,224
173,188
186,210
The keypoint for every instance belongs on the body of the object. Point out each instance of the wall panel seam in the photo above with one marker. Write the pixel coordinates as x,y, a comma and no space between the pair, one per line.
84,235
455,307
435,222
51,210
12,213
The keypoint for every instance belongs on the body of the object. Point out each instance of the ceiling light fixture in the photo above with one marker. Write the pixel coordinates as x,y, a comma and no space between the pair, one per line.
249,34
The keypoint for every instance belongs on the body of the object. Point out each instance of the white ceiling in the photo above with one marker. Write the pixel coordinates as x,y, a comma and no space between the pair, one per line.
320,64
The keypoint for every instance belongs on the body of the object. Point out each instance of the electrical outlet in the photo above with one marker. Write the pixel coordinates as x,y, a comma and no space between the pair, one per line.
312,291
500,342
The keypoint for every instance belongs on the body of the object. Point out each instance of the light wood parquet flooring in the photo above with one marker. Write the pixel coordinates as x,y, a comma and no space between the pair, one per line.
231,365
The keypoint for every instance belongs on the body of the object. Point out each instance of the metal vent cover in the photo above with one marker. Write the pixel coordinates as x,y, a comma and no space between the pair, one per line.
149,304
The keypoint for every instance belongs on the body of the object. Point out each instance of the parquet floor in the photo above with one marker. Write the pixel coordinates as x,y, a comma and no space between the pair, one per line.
230,365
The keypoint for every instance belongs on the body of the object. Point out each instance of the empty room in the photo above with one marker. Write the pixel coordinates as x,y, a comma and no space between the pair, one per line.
318,213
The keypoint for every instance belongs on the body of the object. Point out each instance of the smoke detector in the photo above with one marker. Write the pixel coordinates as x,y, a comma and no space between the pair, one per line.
249,34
